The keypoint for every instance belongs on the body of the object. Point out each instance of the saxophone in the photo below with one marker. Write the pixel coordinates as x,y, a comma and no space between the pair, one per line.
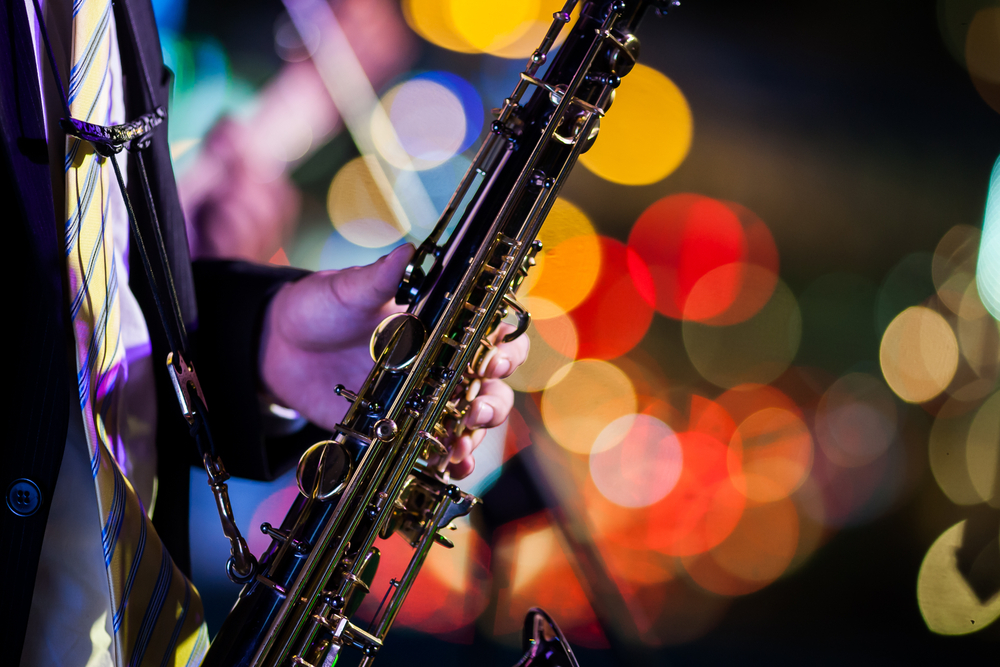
384,468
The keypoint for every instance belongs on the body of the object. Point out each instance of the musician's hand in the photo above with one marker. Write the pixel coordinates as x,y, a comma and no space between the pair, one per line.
239,203
493,403
316,335
317,331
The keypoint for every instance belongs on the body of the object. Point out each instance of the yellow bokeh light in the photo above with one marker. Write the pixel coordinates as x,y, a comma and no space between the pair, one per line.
532,31
471,26
486,28
919,354
947,602
982,450
431,19
582,399
358,209
647,132
979,336
534,550
553,345
947,454
568,265
757,350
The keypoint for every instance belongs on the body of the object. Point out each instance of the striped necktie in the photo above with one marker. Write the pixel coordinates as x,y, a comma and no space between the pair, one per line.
157,617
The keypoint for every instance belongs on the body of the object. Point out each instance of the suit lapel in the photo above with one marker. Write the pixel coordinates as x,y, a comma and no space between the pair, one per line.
37,362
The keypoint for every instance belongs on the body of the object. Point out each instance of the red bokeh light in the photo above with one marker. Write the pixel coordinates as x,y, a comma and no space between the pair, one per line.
709,261
432,605
518,435
683,237
711,419
755,277
615,315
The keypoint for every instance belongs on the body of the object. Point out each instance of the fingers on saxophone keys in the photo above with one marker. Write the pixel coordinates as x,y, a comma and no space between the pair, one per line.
473,390
462,463
485,362
480,414
504,359
495,364
462,448
462,469
491,407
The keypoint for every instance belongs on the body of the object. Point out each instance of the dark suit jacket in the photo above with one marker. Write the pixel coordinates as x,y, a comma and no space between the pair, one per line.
222,304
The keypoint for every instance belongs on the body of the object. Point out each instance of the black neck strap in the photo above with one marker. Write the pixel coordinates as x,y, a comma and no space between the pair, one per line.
134,137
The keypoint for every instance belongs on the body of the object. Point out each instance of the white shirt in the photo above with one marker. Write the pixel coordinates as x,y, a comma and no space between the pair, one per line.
69,624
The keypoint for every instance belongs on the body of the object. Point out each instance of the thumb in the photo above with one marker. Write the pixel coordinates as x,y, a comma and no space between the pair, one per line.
370,287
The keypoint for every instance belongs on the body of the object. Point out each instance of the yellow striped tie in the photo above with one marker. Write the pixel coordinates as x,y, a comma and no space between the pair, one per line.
157,617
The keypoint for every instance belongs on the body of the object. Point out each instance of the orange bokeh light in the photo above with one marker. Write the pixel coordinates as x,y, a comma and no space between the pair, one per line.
770,454
756,553
746,399
567,266
541,576
703,507
711,419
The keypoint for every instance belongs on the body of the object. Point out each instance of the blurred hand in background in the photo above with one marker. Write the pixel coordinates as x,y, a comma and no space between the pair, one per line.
238,198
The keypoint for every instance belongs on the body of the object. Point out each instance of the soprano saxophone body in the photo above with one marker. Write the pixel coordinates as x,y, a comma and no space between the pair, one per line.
382,471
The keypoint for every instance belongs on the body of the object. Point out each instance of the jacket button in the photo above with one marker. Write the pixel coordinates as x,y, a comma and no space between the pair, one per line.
23,497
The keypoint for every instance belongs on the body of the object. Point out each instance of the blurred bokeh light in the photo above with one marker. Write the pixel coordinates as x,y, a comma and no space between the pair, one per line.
856,420
432,117
468,26
947,602
358,209
636,460
554,343
919,354
770,454
584,398
568,264
617,312
647,136
758,350
756,553
988,268
982,54
954,264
